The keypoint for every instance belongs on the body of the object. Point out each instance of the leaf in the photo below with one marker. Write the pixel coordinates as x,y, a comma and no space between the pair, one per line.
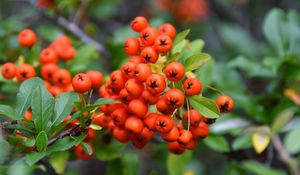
9,112
282,119
181,36
272,29
177,163
33,157
217,143
100,101
178,48
260,142
260,169
130,162
42,105
292,141
293,95
41,141
196,61
63,106
58,161
205,106
111,167
173,57
242,142
65,143
87,148
95,127
24,95
109,152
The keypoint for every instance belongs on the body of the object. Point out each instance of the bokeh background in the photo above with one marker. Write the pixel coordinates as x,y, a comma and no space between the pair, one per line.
256,49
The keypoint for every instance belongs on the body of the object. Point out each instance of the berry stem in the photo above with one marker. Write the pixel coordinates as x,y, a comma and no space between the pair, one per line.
174,113
90,96
82,99
173,84
214,89
188,110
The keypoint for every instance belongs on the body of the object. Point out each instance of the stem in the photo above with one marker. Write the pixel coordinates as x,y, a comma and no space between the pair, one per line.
285,156
174,113
80,12
188,110
90,96
82,99
173,84
214,89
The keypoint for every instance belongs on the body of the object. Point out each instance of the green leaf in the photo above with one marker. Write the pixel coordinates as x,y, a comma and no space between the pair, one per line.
196,61
178,48
65,143
29,142
42,106
260,169
181,36
242,142
109,152
24,95
85,54
292,141
33,157
87,148
205,106
100,101
282,119
41,141
63,106
177,163
130,162
173,57
9,112
58,161
272,29
217,143
205,73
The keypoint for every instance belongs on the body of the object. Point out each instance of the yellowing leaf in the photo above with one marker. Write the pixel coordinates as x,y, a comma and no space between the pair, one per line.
260,142
189,172
292,95
190,75
95,127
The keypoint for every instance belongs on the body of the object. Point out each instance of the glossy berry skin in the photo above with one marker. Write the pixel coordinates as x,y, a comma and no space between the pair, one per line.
164,123
81,153
134,125
48,70
102,121
55,90
163,44
185,136
142,72
135,59
155,84
149,55
138,107
48,55
195,117
67,53
119,116
26,38
200,131
131,46
163,106
117,80
9,70
128,69
24,72
175,147
150,121
124,96
175,98
121,134
139,23
148,36
225,103
62,77
81,83
174,71
150,98
172,135
192,86
167,29
134,87
96,78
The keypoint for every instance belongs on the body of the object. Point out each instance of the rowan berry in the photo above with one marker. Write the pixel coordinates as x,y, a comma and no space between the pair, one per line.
164,123
163,44
167,29
48,55
139,23
24,72
26,38
174,71
192,86
225,103
96,78
48,70
9,70
62,77
148,36
131,46
149,55
155,84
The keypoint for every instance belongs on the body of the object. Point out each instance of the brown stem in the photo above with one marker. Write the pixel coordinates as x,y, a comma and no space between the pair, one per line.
285,156
80,12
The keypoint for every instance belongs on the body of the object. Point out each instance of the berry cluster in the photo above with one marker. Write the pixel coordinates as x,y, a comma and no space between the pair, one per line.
140,89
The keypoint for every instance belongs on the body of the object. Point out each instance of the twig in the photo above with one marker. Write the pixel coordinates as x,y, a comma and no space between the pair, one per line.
80,12
285,156
62,135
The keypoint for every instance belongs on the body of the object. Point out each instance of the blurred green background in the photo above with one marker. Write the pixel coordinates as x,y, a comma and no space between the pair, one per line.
256,49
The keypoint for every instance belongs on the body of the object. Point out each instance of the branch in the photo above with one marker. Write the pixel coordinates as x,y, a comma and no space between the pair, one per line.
285,156
80,12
